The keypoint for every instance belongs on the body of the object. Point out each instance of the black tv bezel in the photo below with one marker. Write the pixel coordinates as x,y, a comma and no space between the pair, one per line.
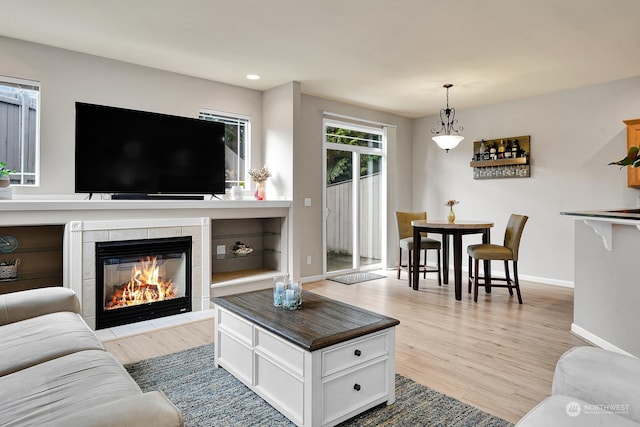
142,193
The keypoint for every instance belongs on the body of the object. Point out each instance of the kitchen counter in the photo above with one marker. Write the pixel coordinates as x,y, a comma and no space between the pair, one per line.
613,214
606,291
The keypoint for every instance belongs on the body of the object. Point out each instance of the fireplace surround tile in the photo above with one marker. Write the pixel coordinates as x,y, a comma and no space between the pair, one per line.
128,234
82,253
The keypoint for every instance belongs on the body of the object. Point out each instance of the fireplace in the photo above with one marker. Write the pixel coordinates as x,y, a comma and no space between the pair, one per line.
142,279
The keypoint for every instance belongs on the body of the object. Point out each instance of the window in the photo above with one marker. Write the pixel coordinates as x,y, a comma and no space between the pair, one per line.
19,128
237,137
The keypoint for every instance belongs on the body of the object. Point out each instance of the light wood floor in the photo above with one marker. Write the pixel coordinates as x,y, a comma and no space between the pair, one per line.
496,355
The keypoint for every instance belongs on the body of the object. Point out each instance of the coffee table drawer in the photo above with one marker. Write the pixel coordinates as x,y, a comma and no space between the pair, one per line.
354,391
235,325
354,353
284,354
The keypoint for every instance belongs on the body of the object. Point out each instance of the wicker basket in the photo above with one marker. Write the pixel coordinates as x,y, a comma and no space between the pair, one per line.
8,272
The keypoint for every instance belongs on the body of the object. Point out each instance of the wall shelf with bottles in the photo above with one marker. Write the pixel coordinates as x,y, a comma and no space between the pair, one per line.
502,158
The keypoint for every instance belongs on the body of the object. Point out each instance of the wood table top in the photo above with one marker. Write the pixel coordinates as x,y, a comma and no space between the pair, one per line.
458,224
320,322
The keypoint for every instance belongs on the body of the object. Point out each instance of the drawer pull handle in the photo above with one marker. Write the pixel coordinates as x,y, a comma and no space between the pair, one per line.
356,387
357,353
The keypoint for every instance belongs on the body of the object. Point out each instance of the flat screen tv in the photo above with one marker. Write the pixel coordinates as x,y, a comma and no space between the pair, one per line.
129,152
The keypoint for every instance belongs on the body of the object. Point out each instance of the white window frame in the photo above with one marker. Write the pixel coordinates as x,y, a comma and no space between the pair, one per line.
225,116
33,86
374,128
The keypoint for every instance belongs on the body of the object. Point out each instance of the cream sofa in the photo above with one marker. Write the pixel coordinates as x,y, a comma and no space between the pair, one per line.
54,371
591,387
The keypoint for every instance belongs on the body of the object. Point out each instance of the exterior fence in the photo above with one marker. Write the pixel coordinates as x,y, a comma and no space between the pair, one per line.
18,123
340,224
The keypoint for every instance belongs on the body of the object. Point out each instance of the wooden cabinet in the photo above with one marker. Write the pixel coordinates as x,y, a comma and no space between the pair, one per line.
633,140
40,253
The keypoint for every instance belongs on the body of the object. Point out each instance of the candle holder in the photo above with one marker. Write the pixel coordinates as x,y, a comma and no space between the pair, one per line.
293,298
279,290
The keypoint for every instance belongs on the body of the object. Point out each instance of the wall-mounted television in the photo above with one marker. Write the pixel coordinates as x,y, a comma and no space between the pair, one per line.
137,153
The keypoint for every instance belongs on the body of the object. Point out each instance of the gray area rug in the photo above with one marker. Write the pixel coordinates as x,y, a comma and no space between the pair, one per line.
350,279
211,397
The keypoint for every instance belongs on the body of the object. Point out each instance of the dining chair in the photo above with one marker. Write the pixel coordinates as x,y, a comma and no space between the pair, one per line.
505,252
405,242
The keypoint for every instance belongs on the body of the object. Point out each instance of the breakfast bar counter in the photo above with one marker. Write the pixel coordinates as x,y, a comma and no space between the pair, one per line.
607,291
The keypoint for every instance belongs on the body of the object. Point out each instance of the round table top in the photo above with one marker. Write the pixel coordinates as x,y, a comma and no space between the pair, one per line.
453,225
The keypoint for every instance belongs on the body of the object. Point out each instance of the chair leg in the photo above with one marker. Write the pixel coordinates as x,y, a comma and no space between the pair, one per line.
399,261
515,275
506,275
476,284
470,276
409,265
424,275
439,269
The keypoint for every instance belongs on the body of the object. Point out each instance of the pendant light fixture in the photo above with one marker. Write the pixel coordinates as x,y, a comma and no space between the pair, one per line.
448,136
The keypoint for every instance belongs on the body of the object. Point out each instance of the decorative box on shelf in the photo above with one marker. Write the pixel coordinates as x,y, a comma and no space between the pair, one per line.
502,158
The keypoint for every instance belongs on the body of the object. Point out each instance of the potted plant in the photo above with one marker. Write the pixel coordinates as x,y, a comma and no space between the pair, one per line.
632,159
4,174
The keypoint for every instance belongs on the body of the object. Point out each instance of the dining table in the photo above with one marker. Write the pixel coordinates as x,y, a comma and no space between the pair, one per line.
456,230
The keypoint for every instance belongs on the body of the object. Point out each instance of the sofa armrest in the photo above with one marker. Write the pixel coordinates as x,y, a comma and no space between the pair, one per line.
23,305
147,409
600,377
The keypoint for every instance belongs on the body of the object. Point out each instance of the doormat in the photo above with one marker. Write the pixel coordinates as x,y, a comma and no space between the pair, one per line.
350,279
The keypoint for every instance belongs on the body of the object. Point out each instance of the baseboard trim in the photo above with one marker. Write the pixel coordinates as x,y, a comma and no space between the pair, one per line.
498,273
596,340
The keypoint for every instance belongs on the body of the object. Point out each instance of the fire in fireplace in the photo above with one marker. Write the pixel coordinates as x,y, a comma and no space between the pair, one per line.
142,279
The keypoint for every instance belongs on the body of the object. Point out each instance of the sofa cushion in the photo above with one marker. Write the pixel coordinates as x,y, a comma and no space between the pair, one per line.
32,341
16,306
600,377
54,389
566,411
150,409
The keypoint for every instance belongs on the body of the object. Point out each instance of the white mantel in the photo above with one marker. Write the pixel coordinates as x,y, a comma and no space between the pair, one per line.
61,211
118,219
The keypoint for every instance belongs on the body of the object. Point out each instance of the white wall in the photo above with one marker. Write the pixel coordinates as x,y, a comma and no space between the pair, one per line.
67,77
281,112
574,135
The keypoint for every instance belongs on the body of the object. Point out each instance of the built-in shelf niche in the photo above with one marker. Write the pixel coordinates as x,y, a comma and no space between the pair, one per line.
40,253
263,235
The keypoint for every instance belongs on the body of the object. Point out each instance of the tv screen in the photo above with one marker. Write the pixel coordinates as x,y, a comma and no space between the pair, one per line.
126,151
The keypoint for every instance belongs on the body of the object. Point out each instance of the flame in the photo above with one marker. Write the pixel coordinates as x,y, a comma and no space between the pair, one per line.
145,286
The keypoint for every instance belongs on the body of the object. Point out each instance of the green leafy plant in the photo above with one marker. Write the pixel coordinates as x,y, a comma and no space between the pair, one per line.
4,170
632,159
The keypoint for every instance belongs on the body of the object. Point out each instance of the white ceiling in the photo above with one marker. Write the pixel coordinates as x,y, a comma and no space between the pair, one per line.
391,55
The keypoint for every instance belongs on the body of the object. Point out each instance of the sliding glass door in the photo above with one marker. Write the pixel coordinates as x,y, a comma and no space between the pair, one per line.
355,205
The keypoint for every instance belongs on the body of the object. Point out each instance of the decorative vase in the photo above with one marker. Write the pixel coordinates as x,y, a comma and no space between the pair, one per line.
259,194
4,181
452,216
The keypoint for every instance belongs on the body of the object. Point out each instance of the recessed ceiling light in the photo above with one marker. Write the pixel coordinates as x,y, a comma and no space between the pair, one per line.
253,76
